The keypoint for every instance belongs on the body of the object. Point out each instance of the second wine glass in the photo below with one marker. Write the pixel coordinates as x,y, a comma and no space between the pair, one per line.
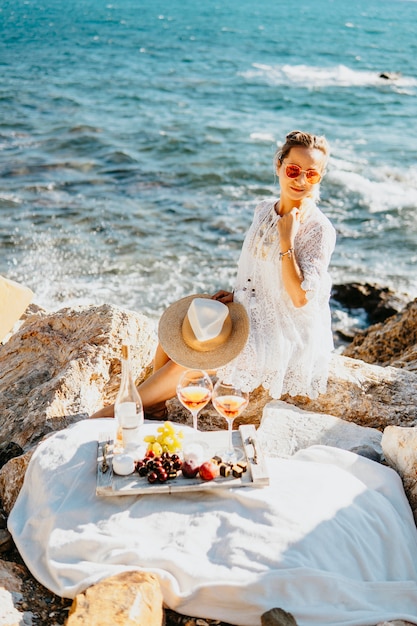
194,391
229,401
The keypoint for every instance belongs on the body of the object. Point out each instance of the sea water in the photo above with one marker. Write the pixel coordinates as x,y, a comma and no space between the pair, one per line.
137,138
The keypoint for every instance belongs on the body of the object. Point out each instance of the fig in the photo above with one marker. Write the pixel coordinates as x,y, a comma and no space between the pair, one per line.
189,469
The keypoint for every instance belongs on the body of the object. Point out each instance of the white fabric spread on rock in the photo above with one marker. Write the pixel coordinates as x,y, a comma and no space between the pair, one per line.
331,540
288,349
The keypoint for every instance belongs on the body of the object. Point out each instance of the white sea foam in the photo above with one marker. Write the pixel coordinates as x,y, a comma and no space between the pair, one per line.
263,137
334,76
380,189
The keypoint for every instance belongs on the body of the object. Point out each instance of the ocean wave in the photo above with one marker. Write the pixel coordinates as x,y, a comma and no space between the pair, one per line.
337,76
381,188
263,137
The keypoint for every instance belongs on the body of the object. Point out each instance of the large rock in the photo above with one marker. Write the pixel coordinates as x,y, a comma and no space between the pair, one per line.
59,367
377,302
127,599
277,617
369,395
393,342
11,575
400,445
12,475
285,429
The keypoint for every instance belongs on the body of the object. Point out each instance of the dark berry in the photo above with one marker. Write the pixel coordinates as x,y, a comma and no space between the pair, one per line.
152,477
162,476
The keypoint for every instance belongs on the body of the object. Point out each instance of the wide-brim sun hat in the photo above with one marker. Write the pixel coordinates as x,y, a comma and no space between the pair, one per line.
177,338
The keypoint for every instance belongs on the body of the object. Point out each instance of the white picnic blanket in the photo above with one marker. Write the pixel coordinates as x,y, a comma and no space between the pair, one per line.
332,539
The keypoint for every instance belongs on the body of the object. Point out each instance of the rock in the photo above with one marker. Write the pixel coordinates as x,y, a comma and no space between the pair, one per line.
285,429
9,615
396,622
9,451
390,76
277,617
369,395
399,445
368,452
23,601
10,594
175,619
393,342
127,599
379,303
5,537
11,479
10,576
5,540
59,367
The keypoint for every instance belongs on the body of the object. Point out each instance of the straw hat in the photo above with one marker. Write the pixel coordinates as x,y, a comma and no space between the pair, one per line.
198,332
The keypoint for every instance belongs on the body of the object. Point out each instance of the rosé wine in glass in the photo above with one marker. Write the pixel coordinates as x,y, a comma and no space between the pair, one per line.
194,391
229,401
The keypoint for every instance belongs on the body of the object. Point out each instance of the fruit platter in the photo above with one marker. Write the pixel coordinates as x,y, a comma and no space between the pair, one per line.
171,460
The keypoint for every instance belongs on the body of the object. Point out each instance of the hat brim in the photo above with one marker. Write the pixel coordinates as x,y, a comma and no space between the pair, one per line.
171,339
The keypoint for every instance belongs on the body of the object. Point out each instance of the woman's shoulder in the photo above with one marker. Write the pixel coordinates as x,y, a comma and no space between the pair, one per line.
266,205
317,218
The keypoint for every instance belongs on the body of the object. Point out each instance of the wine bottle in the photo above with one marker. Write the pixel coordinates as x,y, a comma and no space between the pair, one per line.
128,409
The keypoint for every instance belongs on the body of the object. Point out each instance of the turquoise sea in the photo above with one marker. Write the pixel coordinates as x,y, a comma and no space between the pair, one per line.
137,137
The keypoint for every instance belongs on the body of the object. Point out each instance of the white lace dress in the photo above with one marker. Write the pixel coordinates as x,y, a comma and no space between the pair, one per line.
288,349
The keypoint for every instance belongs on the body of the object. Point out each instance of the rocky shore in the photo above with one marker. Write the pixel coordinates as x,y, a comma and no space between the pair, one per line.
57,368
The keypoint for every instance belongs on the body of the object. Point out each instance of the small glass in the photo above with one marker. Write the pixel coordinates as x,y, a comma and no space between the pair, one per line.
229,401
194,391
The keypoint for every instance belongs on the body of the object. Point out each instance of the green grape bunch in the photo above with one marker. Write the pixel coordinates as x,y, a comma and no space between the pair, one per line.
167,439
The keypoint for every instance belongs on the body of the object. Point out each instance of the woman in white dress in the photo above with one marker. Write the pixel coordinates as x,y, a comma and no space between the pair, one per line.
282,283
283,280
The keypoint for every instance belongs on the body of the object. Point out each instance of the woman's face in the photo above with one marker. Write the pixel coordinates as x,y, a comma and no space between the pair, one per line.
297,188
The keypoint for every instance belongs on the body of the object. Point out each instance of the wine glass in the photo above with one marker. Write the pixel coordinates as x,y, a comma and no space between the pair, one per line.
229,401
194,391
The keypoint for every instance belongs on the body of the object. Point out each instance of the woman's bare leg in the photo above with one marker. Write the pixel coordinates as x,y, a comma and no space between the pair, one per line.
160,358
161,386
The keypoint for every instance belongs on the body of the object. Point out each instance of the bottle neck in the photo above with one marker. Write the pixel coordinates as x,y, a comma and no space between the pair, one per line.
128,393
126,371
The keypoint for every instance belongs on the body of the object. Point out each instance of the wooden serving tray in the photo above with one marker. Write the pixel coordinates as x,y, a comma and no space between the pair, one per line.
111,484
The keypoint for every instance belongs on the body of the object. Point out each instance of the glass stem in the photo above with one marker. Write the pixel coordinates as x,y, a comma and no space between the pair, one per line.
230,431
195,415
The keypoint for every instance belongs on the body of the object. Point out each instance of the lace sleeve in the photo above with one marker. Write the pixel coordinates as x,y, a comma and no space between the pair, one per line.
316,247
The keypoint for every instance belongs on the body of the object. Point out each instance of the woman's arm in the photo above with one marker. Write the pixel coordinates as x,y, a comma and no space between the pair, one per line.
315,251
292,276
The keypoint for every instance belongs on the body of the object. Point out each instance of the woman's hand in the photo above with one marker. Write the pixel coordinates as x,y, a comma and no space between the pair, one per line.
288,226
223,296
